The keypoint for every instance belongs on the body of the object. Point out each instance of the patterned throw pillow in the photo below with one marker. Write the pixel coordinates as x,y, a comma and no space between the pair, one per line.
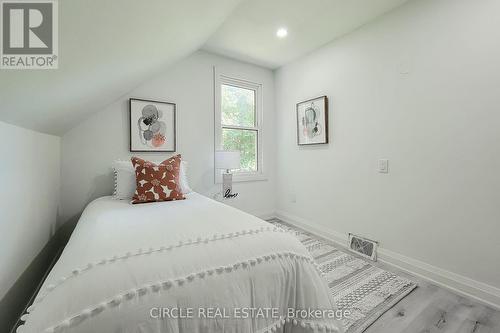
157,182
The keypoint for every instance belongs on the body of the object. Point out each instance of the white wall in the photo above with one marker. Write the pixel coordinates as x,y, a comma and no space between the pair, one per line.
89,148
29,198
421,87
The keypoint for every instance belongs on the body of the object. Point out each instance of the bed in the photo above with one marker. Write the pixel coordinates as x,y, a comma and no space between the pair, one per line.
194,265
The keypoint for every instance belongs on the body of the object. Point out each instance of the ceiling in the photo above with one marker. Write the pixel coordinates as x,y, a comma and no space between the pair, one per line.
108,47
249,33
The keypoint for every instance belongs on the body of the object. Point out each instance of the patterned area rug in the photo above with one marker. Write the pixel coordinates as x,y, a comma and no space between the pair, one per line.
356,285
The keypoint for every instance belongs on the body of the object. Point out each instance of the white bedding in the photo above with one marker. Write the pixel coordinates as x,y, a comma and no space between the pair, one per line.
195,255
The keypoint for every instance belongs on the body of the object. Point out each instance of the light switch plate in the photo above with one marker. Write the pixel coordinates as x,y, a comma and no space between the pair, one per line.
383,166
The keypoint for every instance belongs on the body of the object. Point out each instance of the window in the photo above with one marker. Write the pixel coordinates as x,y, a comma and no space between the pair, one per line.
238,123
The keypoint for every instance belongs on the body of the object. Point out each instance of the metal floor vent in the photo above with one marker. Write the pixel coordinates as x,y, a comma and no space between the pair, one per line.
363,246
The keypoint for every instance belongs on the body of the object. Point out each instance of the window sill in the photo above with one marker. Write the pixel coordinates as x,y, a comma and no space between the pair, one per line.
242,177
251,177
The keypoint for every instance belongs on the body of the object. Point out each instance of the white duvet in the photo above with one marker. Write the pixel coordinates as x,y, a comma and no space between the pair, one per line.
194,265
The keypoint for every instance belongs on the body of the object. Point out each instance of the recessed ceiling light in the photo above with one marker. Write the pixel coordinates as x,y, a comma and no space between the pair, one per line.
281,33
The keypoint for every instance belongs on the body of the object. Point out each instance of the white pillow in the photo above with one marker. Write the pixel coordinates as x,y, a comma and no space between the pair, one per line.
125,179
183,178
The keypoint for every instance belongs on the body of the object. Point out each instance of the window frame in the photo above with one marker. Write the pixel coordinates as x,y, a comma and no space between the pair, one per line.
224,79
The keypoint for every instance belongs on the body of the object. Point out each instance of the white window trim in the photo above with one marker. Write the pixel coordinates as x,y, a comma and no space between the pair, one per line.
222,78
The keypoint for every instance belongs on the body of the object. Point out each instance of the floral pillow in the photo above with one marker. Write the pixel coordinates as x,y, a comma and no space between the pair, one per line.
157,182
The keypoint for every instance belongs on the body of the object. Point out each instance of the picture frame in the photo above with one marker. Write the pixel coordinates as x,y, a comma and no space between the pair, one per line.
152,125
312,121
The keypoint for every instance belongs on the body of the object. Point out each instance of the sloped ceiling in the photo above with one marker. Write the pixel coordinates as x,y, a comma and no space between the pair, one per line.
250,32
106,48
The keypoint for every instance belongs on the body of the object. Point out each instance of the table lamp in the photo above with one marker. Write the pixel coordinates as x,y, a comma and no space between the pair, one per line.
227,160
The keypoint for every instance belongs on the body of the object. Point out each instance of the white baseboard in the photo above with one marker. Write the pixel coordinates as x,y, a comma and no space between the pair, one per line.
459,284
266,216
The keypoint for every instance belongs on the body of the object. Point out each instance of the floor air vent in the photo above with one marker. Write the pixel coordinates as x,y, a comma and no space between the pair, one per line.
363,246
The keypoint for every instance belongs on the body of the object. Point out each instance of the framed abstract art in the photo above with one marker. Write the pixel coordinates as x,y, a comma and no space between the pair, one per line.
312,121
152,126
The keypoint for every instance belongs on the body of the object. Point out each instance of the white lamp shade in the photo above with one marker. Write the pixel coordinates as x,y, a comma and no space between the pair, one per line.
227,159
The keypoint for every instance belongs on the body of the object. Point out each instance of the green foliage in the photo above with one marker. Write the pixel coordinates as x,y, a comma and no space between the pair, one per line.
238,106
238,109
246,142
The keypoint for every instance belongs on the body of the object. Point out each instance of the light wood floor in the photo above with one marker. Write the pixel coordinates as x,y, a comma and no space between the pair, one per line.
433,309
